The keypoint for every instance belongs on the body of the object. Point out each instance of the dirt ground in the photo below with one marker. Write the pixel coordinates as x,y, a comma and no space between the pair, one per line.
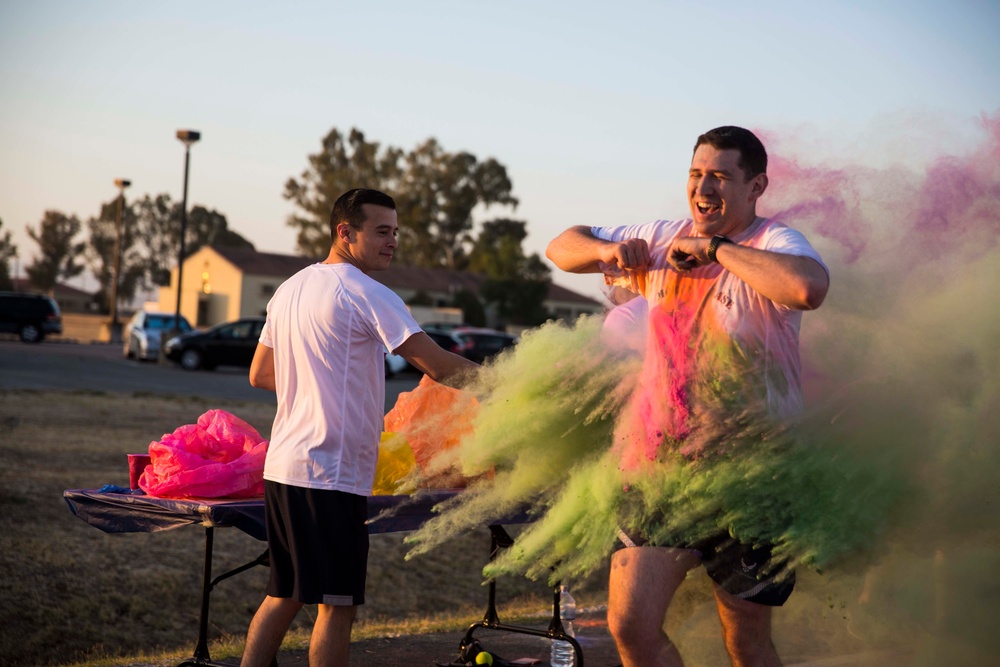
430,649
599,650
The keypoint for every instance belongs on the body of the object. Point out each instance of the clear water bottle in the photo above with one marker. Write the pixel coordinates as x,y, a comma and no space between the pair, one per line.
562,651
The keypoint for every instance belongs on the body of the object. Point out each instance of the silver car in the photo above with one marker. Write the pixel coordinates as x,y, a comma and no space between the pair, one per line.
141,337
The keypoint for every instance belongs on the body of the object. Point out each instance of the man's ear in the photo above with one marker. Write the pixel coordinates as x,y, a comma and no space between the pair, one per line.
344,232
758,186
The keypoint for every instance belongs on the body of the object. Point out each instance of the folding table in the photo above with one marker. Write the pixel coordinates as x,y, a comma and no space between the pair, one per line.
127,513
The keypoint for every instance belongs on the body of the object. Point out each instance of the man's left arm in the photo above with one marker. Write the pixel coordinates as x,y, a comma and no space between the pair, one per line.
794,281
440,364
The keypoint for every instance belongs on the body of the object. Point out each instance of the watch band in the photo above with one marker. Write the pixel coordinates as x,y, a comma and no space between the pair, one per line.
713,246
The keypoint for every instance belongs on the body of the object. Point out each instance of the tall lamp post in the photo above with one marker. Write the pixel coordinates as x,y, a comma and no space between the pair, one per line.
187,137
116,327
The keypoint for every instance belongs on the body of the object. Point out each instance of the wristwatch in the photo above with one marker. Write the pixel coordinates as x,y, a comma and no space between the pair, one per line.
713,246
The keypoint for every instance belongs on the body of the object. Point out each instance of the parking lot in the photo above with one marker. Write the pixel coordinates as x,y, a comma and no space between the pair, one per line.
101,367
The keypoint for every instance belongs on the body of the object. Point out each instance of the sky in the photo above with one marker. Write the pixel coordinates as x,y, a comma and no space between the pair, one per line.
593,109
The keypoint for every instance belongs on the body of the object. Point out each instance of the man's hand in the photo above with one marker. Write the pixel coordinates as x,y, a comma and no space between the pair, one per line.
688,252
630,254
577,250
797,282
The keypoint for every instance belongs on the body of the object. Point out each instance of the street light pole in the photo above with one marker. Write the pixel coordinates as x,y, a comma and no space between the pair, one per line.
116,327
187,137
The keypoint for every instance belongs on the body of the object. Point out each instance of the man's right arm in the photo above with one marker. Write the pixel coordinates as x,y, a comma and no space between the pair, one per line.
577,250
262,368
430,358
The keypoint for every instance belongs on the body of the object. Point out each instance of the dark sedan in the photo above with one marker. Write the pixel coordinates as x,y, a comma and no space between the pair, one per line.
228,344
474,343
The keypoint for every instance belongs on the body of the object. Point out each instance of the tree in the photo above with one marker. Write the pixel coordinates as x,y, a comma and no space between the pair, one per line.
101,254
436,200
158,225
209,227
497,251
342,164
61,257
150,241
520,300
435,192
516,284
472,308
7,251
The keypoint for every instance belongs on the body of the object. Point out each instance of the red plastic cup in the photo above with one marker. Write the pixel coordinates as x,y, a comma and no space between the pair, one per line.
136,464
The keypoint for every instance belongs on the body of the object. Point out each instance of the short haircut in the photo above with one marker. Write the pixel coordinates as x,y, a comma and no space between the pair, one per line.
753,157
348,207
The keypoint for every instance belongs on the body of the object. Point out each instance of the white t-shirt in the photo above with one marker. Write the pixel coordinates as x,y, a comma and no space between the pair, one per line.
625,325
327,325
715,346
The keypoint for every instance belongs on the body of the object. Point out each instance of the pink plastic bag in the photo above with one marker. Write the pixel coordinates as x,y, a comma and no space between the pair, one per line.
221,456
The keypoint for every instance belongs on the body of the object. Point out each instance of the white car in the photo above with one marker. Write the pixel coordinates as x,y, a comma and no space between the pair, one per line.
141,336
394,364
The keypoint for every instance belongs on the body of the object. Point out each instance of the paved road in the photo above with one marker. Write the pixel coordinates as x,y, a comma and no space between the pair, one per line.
73,366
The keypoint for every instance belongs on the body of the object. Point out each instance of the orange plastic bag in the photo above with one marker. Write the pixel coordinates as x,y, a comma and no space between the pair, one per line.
434,418
219,457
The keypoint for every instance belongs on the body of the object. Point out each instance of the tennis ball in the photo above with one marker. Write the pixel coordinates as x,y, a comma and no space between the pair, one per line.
484,658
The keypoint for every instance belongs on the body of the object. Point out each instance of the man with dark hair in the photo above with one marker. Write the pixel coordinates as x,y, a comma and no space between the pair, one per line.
753,156
349,208
321,350
726,291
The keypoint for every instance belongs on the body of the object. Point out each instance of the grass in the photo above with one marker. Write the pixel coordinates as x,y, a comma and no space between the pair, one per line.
71,594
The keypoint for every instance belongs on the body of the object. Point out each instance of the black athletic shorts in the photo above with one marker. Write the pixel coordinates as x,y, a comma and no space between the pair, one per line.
743,571
318,544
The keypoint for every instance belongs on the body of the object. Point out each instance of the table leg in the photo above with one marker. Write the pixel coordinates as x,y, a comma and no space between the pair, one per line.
500,539
201,656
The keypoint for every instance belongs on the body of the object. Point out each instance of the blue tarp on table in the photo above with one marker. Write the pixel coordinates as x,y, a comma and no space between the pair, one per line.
127,513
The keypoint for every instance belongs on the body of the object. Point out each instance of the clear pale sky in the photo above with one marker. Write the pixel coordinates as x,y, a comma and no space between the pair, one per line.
592,107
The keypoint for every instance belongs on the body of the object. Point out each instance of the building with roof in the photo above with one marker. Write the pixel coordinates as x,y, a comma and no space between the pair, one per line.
69,298
223,284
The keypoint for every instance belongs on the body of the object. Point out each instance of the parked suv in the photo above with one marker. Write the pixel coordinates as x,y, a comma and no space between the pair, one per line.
31,316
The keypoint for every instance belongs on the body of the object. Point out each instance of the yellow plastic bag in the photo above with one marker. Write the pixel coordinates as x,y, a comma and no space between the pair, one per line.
395,462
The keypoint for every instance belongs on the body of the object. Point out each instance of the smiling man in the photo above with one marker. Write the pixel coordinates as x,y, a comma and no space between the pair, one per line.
726,291
321,350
